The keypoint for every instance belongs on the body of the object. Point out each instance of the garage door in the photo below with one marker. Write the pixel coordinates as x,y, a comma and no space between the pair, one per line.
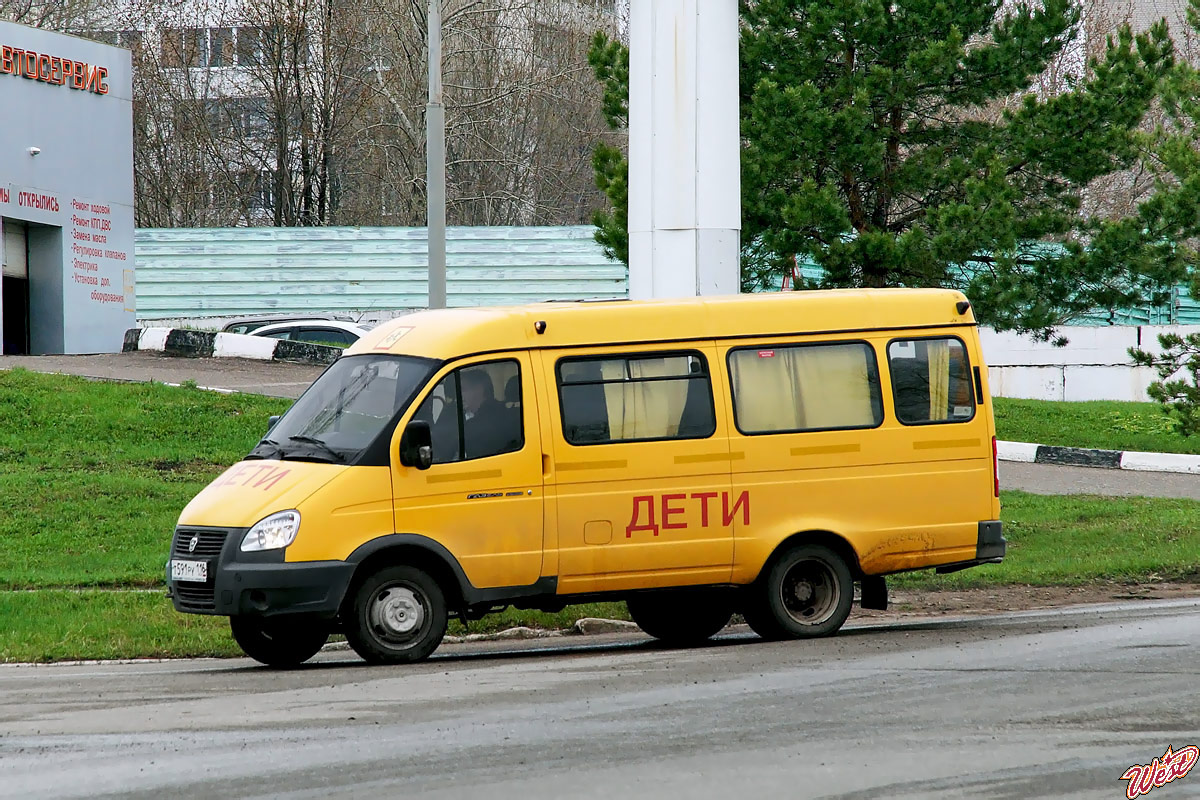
16,263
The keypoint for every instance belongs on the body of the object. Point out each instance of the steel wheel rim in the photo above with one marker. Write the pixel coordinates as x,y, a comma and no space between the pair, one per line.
398,614
810,592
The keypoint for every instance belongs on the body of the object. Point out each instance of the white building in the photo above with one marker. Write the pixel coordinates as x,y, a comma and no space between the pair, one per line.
66,193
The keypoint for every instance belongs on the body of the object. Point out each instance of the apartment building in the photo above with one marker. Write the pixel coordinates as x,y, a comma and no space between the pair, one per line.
258,114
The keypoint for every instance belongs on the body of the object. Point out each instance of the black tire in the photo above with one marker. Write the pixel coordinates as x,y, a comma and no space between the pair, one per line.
279,641
681,618
397,616
806,593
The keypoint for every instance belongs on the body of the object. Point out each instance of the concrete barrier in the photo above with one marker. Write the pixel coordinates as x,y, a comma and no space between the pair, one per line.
188,343
1094,365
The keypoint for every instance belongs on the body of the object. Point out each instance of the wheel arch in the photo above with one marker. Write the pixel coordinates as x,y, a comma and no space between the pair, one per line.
413,550
834,541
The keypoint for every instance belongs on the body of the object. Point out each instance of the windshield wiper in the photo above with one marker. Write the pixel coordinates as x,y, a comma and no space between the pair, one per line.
319,443
268,443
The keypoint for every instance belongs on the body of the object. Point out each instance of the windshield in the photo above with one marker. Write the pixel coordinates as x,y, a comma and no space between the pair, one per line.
346,409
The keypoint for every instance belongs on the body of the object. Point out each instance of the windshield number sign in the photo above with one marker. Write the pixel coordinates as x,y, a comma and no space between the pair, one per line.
386,342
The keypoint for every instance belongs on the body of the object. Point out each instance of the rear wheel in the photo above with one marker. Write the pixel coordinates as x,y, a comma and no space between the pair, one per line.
806,593
397,616
681,618
279,641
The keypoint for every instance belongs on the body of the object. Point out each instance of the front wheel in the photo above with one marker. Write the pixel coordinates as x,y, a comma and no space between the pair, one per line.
397,616
278,641
681,618
807,593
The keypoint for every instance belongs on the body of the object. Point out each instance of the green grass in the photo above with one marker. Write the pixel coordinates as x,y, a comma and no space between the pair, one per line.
1053,541
58,625
1076,539
1105,425
66,625
95,474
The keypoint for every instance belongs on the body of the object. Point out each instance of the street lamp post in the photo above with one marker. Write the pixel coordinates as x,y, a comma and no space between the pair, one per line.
435,162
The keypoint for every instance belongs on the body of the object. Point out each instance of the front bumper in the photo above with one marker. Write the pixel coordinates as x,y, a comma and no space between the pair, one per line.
261,584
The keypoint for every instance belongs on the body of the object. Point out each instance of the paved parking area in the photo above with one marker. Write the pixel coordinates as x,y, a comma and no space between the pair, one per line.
273,378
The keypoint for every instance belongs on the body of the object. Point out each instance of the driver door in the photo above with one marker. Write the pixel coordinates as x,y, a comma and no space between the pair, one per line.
483,497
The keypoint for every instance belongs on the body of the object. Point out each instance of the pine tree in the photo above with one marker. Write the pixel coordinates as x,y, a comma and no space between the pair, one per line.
870,152
610,61
1172,215
874,147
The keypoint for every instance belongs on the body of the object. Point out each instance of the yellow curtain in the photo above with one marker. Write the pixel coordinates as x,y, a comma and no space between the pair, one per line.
938,353
802,388
767,390
834,386
645,410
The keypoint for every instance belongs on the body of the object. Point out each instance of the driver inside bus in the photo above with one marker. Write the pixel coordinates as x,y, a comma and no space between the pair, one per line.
488,426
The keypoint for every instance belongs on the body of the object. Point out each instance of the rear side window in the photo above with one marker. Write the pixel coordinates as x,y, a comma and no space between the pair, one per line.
805,388
931,380
635,398
330,337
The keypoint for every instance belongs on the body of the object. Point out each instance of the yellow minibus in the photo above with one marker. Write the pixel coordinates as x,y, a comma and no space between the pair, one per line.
756,454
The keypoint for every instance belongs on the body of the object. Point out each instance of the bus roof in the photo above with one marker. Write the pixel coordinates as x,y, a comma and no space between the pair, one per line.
451,333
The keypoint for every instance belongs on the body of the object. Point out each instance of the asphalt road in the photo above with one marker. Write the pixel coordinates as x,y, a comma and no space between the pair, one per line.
1054,479
1045,704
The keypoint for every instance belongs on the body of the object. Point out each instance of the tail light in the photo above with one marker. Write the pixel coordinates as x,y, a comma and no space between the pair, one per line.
995,467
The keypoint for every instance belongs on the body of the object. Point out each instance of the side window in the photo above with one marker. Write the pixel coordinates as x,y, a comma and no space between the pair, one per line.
330,337
475,412
805,387
635,398
931,380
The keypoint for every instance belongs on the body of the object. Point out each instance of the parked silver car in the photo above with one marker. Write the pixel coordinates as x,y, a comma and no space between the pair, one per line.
331,333
251,324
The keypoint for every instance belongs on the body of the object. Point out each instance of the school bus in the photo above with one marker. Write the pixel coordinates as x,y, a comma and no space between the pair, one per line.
756,454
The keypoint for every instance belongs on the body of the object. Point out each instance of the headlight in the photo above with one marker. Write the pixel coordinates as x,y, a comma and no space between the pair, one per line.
272,533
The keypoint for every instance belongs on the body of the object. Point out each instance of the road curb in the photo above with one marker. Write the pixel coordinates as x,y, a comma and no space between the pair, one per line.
1104,459
186,343
587,626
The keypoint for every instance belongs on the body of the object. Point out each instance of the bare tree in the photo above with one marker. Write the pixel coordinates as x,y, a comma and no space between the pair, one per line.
522,111
311,112
52,14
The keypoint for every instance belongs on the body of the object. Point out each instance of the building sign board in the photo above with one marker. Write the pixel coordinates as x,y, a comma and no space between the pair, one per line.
53,69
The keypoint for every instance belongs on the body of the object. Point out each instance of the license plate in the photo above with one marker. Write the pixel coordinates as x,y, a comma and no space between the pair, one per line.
196,571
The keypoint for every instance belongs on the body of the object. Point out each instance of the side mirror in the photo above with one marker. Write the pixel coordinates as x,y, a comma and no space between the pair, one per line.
416,445
271,420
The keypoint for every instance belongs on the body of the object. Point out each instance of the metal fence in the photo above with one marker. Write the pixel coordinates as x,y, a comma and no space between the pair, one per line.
195,273
224,272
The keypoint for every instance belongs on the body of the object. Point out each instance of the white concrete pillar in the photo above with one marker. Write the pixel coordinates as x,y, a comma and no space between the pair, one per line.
684,148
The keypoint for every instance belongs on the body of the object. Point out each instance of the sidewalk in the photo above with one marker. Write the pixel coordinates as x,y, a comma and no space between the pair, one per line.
273,378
